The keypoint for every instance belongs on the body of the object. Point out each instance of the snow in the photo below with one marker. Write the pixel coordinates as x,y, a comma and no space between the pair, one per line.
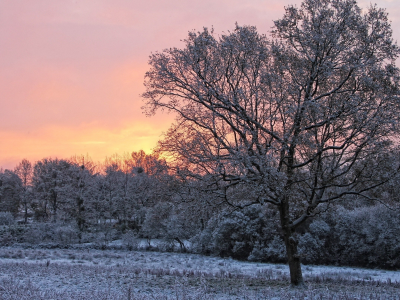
72,272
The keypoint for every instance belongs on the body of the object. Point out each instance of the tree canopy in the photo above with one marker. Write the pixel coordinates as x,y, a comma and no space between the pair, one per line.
301,119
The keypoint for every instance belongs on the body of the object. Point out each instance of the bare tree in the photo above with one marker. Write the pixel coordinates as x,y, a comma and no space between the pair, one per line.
82,190
25,170
51,183
150,164
296,119
10,192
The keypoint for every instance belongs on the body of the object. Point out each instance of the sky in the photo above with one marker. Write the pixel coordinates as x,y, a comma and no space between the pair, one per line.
72,71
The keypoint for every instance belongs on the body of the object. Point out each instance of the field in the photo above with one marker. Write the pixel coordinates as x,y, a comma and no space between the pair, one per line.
119,274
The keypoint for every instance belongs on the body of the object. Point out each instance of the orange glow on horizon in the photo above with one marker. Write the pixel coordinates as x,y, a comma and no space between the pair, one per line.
96,141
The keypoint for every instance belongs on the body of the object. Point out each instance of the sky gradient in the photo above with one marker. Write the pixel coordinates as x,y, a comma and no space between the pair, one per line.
71,72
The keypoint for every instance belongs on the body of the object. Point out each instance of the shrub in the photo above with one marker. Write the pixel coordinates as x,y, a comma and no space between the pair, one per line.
130,240
236,234
366,237
6,218
65,234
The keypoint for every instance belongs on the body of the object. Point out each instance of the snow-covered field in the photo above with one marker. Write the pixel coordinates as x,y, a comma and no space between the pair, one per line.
118,274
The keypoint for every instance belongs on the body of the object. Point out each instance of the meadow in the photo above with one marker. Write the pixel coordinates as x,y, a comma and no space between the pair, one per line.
86,273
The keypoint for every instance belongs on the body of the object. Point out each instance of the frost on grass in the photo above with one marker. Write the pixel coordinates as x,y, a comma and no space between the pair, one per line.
95,274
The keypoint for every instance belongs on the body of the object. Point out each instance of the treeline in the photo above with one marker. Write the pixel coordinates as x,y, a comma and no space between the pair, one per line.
134,192
60,202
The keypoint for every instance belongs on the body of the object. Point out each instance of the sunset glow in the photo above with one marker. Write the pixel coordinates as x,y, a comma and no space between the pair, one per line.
71,72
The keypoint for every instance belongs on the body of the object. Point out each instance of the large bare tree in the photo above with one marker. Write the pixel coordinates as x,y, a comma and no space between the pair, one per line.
298,120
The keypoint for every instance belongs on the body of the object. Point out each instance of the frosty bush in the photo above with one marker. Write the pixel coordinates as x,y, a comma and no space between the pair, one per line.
130,240
237,233
38,233
155,223
6,238
274,251
104,235
53,233
66,234
367,237
312,244
6,218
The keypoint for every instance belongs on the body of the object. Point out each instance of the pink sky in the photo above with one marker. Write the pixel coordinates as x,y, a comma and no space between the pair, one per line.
71,71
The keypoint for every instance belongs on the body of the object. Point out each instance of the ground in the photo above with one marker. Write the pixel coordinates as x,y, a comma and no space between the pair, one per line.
119,274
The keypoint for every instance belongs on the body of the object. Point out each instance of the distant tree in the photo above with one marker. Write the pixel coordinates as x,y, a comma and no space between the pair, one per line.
150,164
112,182
10,192
25,171
117,192
129,183
82,189
295,120
50,183
86,161
156,221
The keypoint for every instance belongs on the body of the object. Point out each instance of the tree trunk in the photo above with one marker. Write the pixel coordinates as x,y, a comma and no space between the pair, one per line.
296,276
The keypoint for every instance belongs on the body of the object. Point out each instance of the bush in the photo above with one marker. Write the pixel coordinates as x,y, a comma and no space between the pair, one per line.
239,234
368,236
6,238
365,236
6,218
66,234
38,233
274,251
313,245
104,236
54,233
130,241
